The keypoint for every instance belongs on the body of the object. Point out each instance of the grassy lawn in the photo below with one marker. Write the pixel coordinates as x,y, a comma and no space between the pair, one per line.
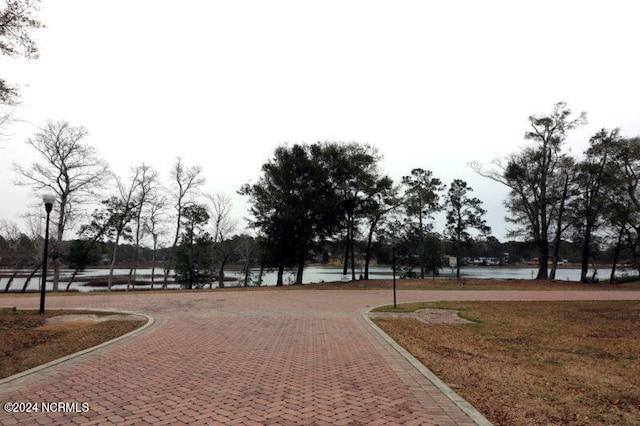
535,363
464,284
25,343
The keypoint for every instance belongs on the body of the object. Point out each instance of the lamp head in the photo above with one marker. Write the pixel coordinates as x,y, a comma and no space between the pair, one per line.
49,199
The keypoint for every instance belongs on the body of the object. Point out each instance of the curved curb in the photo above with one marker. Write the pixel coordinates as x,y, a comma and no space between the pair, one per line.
460,402
150,321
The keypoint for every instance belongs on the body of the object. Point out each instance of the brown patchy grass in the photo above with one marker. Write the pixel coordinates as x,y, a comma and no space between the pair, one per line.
27,343
535,363
465,284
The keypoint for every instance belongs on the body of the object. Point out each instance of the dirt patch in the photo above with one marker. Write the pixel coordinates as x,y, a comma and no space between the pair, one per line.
68,322
428,316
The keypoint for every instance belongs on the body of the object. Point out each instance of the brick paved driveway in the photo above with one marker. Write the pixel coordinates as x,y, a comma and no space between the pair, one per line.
247,357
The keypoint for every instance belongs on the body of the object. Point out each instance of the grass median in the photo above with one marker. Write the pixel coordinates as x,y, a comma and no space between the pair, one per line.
551,363
28,340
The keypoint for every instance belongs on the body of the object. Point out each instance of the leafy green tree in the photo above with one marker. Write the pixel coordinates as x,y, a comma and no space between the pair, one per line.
564,191
359,184
384,200
533,178
622,219
421,201
81,253
193,256
596,177
434,254
463,214
293,205
113,223
624,201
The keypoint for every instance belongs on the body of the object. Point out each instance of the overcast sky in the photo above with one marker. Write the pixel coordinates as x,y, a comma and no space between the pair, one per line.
431,84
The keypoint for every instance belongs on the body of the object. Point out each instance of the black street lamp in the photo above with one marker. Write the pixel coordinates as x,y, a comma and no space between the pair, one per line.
48,199
394,276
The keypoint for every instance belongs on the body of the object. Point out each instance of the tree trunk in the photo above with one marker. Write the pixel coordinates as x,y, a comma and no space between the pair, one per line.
300,270
58,245
246,276
153,259
6,289
263,262
73,277
353,257
422,250
456,251
260,273
172,253
556,252
558,238
543,260
136,252
367,255
345,267
221,271
554,266
113,261
26,283
586,253
191,261
616,255
280,281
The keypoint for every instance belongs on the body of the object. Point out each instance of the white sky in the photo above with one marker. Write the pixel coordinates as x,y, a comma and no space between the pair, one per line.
431,84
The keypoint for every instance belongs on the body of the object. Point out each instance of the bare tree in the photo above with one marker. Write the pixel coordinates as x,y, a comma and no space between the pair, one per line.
153,224
223,227
16,20
186,181
147,180
34,222
246,249
5,117
68,167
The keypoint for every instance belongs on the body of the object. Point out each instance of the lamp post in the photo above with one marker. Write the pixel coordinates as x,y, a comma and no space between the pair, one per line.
48,199
393,251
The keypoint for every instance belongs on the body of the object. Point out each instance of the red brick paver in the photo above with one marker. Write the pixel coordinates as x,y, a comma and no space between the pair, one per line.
246,358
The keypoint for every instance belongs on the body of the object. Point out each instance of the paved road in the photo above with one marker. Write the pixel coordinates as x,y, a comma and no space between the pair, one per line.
288,357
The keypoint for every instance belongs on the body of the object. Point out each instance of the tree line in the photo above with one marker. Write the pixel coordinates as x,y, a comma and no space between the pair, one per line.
554,198
329,191
311,195
136,208
307,195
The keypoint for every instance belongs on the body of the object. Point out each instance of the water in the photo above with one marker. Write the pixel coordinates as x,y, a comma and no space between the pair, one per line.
316,274
312,274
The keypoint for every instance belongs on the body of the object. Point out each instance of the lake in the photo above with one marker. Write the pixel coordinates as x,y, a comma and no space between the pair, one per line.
312,274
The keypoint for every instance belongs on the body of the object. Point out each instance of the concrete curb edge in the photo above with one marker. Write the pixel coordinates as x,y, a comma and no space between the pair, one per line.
467,408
